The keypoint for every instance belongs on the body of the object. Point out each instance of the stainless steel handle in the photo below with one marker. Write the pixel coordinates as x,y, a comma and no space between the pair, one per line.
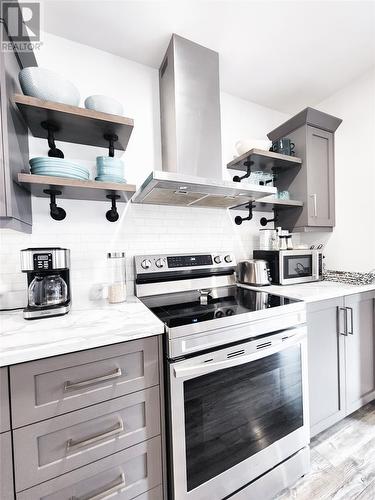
313,196
339,310
114,431
351,320
119,485
72,386
204,368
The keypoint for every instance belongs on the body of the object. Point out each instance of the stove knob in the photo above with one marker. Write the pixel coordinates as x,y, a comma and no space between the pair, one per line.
217,259
146,264
229,312
219,314
228,258
159,263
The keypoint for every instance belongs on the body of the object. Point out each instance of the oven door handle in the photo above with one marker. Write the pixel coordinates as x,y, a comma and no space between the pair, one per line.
208,367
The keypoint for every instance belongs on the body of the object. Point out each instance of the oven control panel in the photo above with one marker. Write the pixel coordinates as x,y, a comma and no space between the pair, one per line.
182,262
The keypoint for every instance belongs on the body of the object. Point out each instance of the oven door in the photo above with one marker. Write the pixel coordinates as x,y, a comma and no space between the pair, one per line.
298,267
236,413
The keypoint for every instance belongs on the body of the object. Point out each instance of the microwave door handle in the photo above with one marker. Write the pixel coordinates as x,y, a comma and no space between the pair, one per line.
204,368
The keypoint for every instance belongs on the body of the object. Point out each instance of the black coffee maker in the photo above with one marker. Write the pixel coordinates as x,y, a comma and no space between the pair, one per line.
48,281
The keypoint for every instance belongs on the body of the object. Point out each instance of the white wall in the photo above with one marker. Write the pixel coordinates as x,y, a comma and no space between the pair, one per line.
141,229
351,246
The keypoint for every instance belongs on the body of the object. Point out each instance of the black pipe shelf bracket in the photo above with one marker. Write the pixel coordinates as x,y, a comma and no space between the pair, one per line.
264,221
247,164
239,220
112,215
52,128
111,138
57,213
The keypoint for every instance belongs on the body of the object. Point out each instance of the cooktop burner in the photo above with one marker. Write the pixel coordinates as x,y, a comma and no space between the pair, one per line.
184,308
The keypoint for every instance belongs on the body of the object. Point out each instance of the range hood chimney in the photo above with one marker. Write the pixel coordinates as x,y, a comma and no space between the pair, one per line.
191,135
190,110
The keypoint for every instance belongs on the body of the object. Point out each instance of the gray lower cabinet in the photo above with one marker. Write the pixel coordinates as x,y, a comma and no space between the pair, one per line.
360,350
326,365
4,400
86,425
53,447
6,467
341,349
126,474
50,387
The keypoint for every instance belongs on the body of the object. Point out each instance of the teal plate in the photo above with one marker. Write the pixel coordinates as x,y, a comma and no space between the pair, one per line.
110,178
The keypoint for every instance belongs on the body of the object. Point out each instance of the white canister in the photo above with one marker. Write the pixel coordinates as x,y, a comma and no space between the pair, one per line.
268,239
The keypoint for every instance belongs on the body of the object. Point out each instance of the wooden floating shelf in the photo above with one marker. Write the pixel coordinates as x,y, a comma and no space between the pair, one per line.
74,189
76,125
269,204
264,160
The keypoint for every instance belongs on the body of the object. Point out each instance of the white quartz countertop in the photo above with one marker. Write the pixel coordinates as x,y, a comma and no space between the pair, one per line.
24,340
313,292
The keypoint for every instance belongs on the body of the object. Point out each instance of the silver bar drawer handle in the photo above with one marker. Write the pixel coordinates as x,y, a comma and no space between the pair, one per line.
313,196
71,386
119,485
345,331
114,431
351,332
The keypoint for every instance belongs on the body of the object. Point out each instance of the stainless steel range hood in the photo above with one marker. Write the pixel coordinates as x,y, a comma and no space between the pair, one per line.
191,135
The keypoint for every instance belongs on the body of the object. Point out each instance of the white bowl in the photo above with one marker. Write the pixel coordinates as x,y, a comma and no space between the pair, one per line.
244,145
104,104
48,85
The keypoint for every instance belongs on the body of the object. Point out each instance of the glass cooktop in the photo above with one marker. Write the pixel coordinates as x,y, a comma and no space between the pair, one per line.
184,308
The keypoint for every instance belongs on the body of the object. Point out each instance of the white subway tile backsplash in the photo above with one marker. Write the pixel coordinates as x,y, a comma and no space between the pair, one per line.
142,229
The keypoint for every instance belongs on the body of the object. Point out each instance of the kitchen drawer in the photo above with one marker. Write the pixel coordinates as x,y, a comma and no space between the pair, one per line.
130,473
50,387
53,447
6,467
154,494
4,400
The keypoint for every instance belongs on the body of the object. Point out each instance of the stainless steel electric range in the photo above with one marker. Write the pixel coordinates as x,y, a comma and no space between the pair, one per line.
236,378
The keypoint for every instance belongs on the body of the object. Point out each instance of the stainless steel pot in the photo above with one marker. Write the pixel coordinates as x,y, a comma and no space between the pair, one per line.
253,272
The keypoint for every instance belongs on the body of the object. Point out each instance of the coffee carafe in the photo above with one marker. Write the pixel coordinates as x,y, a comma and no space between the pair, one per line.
47,280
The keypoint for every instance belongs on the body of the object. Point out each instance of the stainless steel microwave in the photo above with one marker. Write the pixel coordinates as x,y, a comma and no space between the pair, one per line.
289,267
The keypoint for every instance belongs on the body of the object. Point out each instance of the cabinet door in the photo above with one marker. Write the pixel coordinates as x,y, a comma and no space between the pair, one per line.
360,350
15,201
326,356
6,467
320,177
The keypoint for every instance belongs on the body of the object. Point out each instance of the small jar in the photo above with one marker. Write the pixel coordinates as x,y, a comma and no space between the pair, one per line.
116,277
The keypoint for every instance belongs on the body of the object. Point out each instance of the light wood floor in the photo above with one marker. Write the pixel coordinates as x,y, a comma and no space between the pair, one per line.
342,462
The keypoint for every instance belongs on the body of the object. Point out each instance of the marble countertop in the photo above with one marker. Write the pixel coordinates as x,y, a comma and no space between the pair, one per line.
22,340
313,292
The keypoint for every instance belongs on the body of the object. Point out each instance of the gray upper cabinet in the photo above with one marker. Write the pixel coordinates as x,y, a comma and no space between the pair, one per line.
360,350
326,357
320,207
312,132
341,350
15,201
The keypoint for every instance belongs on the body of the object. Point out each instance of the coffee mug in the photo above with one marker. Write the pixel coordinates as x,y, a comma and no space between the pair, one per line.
283,146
